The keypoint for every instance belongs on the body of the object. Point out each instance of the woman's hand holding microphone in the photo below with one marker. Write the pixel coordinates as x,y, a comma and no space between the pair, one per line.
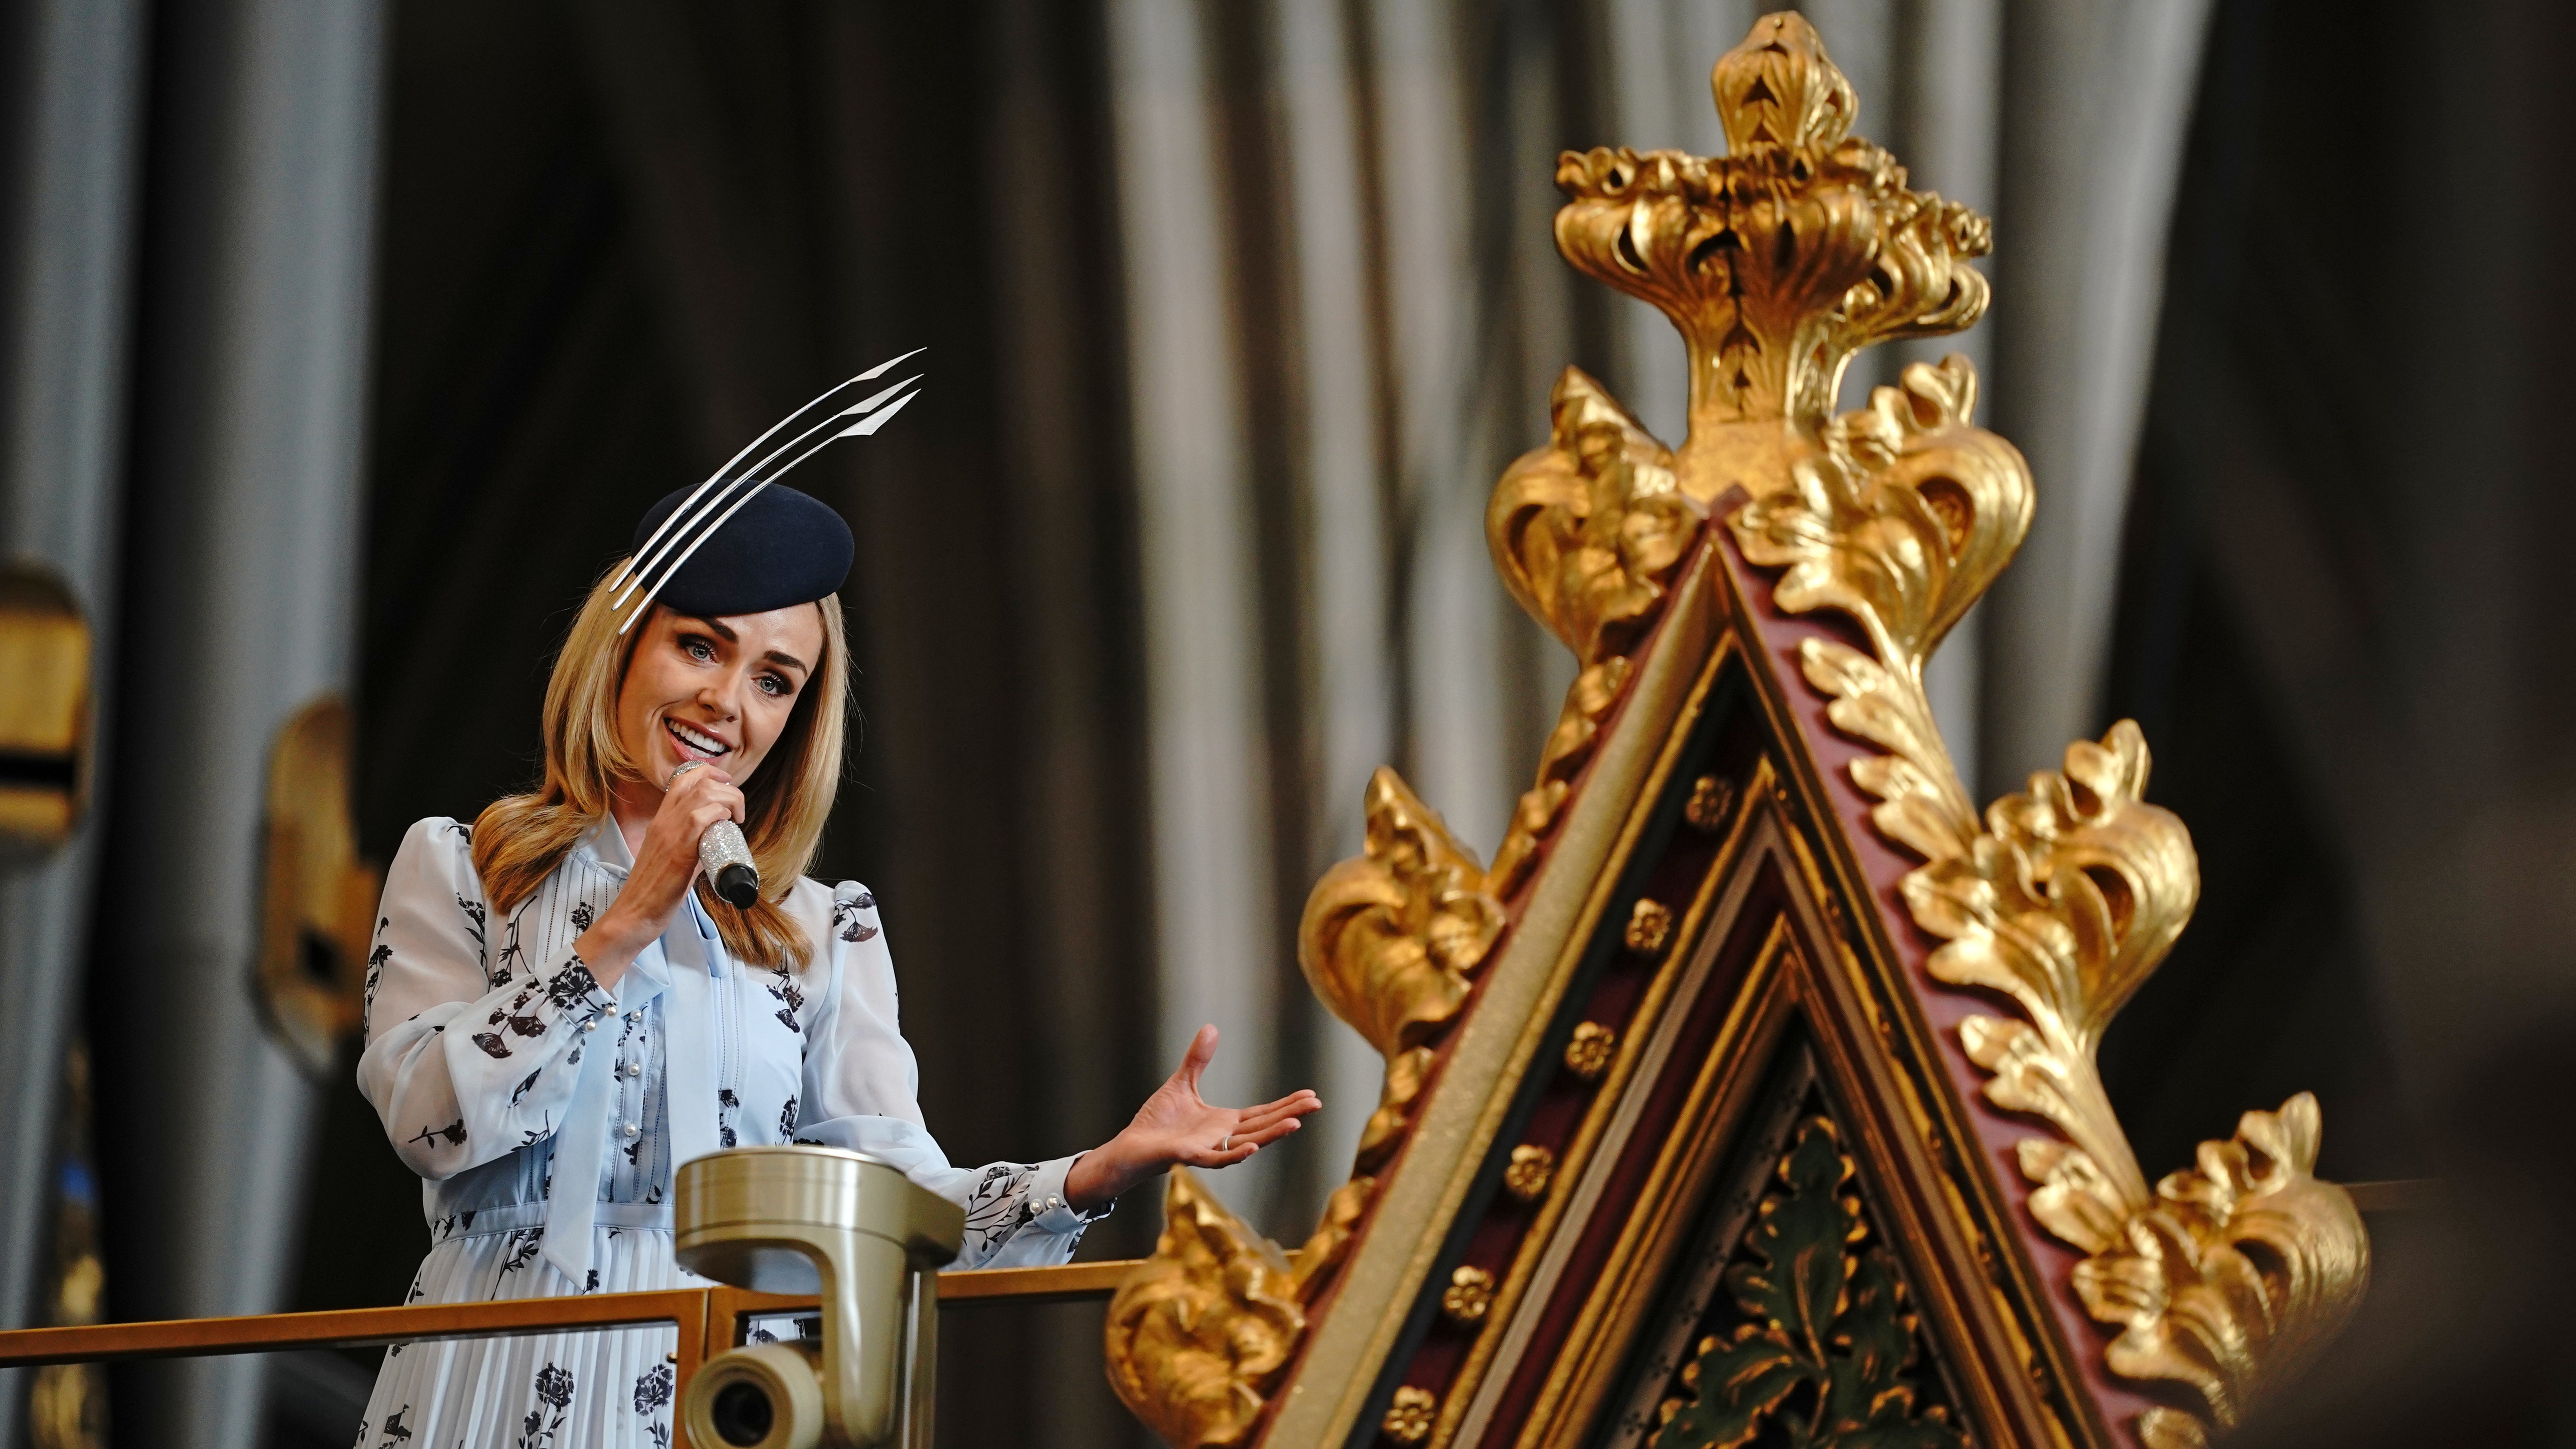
695,797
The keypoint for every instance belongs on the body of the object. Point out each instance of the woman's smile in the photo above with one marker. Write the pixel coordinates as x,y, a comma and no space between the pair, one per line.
693,743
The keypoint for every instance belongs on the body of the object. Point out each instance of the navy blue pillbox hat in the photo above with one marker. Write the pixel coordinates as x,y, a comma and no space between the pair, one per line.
783,548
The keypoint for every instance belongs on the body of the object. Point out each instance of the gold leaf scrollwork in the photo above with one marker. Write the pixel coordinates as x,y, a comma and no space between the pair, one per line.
2236,1277
1586,532
1900,520
2066,904
1197,1336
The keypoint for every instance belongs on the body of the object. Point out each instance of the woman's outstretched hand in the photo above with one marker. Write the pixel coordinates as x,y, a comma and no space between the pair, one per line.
1176,1126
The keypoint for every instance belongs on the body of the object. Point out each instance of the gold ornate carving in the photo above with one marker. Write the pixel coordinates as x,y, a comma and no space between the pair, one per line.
1818,1306
1587,1053
2227,1277
1585,533
2065,904
1777,263
1408,1419
1331,1240
1711,803
1650,925
1900,519
2236,1276
1197,1336
1585,529
1389,938
1405,1074
1779,260
1526,1176
1469,1294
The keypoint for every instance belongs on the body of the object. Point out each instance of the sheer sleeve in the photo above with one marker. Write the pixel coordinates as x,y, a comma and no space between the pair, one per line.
464,1063
860,1093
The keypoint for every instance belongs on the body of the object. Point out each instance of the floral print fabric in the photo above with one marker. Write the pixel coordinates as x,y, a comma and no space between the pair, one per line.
477,1034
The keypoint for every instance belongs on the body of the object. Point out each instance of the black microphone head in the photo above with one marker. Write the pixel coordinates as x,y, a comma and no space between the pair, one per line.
738,886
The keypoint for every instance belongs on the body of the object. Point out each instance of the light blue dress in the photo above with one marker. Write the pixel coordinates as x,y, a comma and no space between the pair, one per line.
498,1066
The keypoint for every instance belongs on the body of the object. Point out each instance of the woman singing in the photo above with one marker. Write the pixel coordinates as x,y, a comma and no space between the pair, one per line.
560,1011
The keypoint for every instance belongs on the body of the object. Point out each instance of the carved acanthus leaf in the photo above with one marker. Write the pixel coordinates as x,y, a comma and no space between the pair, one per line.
1196,1337
1823,1349
2239,1273
2066,904
1389,938
1899,520
1584,530
1586,533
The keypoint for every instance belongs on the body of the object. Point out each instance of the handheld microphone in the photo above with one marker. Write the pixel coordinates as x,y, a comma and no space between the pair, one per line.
726,858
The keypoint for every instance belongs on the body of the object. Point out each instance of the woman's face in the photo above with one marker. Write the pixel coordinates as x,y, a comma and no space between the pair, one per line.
717,690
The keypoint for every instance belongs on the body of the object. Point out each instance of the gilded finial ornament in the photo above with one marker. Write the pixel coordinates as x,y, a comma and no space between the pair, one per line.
1777,261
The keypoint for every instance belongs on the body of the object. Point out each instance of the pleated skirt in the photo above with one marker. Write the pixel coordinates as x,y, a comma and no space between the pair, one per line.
606,1389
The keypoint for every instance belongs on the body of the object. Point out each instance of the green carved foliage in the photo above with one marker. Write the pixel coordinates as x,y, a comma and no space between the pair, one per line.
1820,1357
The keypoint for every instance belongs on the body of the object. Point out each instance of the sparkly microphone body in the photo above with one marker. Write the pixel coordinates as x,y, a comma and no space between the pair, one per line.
726,857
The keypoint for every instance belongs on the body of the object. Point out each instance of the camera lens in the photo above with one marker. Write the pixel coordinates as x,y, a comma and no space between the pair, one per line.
742,1414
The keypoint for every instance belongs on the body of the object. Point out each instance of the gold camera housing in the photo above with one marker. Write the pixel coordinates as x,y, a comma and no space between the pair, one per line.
862,1237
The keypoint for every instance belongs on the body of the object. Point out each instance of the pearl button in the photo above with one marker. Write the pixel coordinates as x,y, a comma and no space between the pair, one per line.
634,1131
591,1025
634,1069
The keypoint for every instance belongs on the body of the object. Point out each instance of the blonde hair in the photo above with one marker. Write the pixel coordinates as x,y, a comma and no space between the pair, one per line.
520,839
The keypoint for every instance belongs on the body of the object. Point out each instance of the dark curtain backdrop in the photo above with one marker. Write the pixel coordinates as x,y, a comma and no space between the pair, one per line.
2344,627
619,241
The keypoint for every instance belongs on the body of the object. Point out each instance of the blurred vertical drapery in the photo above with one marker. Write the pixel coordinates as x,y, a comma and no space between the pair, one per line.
240,610
1327,215
66,286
